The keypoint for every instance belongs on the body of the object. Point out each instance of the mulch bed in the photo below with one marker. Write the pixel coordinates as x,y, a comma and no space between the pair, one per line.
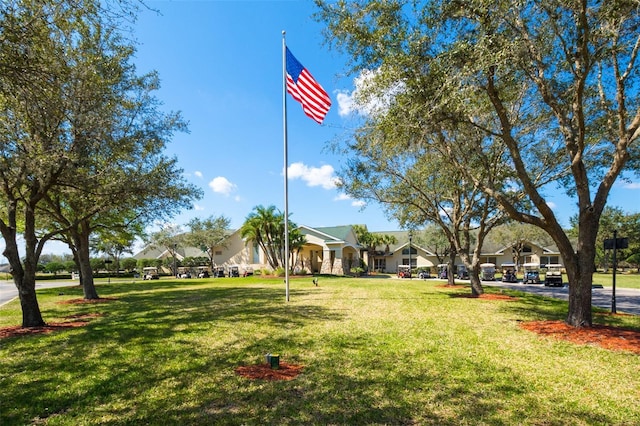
608,337
77,320
265,372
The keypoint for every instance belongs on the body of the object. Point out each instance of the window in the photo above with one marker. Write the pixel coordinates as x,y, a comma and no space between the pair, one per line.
549,259
405,251
414,262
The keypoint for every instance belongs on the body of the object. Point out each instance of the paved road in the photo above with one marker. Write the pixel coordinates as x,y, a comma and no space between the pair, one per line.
8,290
627,299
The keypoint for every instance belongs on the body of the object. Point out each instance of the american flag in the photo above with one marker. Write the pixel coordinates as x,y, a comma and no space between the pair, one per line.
306,90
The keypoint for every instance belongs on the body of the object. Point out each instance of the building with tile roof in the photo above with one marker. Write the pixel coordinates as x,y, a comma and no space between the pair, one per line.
335,250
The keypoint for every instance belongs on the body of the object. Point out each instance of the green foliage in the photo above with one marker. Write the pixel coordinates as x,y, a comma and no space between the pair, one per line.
209,234
128,264
508,98
265,227
54,267
195,261
144,263
614,219
97,264
70,266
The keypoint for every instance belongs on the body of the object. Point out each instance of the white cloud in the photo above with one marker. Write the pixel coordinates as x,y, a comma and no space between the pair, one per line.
361,101
314,176
221,185
198,207
198,174
346,104
631,185
346,197
552,205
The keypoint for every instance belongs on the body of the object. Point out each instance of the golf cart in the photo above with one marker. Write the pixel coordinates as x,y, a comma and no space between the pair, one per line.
404,271
234,271
487,271
531,273
509,273
553,275
462,274
424,273
183,272
203,272
442,271
219,272
150,273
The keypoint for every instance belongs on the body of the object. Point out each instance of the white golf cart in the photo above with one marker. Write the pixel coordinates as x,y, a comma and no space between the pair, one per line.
553,275
488,271
150,273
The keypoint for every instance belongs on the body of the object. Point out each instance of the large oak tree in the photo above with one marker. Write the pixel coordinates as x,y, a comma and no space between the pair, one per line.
80,134
552,82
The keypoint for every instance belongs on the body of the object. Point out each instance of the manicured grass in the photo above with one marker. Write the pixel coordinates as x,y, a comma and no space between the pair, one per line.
375,351
623,280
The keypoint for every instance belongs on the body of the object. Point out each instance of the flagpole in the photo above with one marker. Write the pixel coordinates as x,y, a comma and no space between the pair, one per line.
286,164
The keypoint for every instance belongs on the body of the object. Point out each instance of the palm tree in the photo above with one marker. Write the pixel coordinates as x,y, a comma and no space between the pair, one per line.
371,241
262,227
265,227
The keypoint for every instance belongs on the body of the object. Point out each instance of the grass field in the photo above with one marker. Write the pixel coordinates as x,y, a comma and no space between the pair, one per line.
626,280
374,351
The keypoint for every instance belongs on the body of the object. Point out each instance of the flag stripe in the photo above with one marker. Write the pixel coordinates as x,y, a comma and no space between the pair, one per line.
305,89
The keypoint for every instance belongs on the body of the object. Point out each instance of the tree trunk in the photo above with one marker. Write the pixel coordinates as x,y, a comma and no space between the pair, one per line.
580,288
24,276
31,315
80,237
579,266
474,277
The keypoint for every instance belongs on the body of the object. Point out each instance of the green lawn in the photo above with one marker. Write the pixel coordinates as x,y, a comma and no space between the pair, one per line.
374,350
626,280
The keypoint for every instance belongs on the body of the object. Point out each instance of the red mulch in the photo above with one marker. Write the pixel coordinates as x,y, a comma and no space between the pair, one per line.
606,336
265,372
82,320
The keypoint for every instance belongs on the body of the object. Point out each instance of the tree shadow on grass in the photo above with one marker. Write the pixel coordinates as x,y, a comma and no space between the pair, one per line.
123,347
145,361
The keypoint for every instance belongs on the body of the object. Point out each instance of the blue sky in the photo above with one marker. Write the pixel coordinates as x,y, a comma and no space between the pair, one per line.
220,64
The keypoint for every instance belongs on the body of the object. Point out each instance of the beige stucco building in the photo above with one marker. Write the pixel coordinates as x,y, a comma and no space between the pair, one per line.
336,250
